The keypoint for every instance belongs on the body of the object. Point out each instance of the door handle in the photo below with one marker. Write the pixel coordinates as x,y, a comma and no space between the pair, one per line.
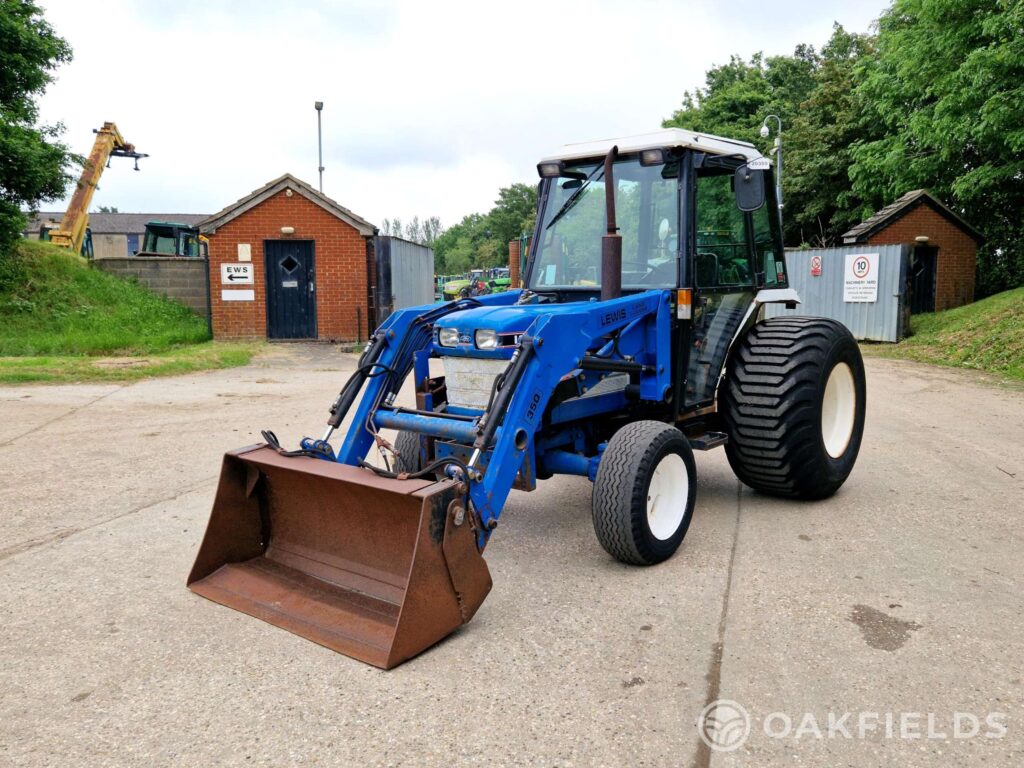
312,286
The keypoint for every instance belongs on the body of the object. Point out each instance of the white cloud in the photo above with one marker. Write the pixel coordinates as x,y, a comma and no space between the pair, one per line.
429,108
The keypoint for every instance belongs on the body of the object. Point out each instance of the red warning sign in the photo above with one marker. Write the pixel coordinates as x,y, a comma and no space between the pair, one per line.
815,266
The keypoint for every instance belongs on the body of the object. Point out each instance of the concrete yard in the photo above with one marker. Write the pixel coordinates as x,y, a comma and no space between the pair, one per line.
899,601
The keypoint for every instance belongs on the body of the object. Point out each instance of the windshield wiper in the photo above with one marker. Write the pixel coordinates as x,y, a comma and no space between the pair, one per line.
574,197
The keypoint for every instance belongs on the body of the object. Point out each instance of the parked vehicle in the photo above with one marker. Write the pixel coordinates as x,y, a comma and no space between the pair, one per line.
638,339
167,238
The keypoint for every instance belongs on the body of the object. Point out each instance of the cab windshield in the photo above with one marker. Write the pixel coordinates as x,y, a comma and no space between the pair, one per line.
646,210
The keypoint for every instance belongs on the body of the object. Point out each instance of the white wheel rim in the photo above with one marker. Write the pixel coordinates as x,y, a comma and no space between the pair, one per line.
667,496
838,410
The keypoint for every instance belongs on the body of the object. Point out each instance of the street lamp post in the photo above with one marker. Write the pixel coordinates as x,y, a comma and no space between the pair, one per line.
765,131
319,143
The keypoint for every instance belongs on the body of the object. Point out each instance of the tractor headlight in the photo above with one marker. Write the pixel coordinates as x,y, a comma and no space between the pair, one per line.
486,339
448,337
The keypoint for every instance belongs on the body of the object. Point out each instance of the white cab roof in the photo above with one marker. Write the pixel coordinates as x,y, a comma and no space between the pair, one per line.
668,137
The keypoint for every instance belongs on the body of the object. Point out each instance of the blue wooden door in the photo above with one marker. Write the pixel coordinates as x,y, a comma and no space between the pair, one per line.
291,289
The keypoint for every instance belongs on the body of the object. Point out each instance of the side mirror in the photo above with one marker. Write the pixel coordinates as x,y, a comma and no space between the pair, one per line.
748,186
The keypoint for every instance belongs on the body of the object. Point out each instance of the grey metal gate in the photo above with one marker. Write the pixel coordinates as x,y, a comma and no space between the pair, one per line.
405,275
819,276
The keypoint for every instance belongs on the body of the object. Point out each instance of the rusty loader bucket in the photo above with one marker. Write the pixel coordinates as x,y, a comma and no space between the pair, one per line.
374,568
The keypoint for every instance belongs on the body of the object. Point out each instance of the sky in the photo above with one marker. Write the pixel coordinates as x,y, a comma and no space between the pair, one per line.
429,107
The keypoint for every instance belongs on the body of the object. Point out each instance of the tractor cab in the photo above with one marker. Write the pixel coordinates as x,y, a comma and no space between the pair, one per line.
164,238
683,220
696,218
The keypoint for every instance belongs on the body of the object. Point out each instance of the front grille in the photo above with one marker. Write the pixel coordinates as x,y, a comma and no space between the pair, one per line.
469,380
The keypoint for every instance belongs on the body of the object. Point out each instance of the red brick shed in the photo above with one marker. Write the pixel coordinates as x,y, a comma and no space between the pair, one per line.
287,262
945,248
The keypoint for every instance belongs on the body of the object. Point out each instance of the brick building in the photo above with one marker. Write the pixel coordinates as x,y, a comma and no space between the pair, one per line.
944,257
287,262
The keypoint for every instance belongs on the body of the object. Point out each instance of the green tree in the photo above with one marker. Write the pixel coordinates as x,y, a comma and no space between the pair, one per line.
820,204
108,209
947,85
460,257
33,163
424,232
513,213
736,97
455,251
481,240
432,229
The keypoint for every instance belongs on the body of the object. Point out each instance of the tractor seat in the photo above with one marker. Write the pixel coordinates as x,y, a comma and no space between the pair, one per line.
707,268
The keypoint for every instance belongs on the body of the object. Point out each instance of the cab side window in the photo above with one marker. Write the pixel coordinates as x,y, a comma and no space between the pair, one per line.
722,258
766,254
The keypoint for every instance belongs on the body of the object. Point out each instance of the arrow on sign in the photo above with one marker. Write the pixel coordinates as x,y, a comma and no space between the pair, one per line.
234,277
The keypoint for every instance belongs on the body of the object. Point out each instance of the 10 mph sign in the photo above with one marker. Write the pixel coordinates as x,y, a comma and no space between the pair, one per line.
860,278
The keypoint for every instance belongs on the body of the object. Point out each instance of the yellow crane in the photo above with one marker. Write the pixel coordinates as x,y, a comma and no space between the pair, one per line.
109,143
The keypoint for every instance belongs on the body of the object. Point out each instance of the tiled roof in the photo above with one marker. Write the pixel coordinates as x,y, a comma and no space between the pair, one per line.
257,196
900,207
118,223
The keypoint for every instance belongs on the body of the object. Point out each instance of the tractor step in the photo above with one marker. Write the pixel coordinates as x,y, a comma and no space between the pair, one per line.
708,440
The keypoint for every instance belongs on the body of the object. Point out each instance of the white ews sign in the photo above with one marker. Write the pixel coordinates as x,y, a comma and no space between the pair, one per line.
236,274
860,278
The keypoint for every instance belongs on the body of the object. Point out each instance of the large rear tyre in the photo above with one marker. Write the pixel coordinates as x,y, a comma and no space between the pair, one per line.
644,493
793,404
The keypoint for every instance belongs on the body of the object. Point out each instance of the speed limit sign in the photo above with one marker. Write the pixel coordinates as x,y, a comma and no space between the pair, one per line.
860,281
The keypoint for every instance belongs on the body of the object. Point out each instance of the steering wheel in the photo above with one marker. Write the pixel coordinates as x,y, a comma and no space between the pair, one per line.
661,274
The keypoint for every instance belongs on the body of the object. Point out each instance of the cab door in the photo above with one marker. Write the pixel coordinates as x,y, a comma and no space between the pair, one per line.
723,272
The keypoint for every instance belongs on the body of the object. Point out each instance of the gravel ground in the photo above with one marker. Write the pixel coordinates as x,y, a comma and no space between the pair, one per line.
898,601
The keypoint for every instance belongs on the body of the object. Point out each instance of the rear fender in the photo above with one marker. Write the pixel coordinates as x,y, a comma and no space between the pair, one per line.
753,315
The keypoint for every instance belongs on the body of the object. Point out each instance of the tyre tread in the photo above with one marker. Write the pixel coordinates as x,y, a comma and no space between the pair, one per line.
770,405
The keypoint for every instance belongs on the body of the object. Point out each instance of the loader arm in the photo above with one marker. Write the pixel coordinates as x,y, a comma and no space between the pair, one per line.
554,346
109,143
397,341
502,437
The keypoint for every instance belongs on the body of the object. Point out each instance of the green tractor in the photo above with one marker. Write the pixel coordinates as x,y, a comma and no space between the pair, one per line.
499,280
167,238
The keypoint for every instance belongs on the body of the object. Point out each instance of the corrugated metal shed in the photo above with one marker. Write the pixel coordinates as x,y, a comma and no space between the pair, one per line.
405,275
884,319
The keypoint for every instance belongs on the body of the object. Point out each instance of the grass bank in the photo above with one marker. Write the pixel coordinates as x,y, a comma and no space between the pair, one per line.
80,368
61,320
987,335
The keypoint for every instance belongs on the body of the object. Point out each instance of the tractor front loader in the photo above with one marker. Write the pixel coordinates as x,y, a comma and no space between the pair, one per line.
639,337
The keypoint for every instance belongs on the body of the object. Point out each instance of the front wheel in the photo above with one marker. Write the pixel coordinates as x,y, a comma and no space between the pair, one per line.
793,403
644,493
408,452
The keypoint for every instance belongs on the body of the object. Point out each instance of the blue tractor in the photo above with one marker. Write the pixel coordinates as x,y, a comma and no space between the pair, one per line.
640,337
